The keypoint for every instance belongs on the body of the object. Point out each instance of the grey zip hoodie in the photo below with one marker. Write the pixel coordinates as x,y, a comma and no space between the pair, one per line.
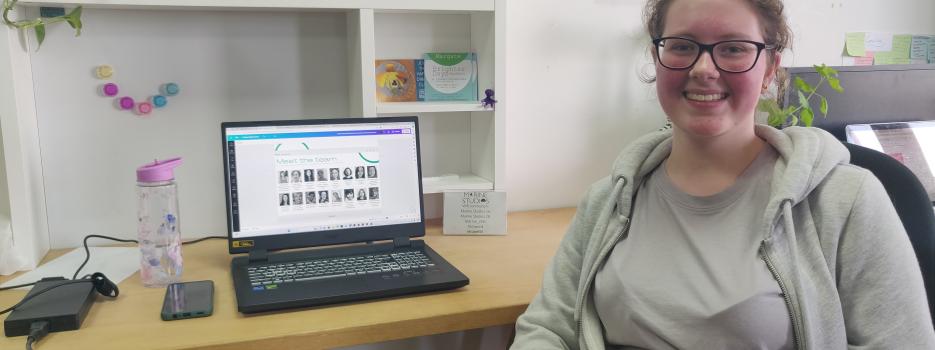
831,238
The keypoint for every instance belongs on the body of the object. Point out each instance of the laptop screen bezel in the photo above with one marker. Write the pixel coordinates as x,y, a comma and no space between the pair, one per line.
326,237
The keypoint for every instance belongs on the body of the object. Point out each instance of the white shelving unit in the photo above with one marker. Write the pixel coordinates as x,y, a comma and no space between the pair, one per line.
69,156
343,5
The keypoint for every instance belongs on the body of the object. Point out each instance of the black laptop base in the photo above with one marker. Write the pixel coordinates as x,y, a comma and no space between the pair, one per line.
253,299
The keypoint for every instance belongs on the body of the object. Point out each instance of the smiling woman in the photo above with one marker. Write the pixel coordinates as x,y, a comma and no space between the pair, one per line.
702,98
724,234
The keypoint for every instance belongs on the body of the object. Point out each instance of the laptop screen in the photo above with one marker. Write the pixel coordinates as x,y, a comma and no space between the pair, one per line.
911,143
314,182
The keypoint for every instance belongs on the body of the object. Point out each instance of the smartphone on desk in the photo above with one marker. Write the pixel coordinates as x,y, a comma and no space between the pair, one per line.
188,300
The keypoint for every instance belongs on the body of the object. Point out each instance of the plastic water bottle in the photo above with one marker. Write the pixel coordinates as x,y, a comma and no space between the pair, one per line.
158,223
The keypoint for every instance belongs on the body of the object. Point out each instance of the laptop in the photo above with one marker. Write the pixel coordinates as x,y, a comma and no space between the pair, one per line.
911,143
325,211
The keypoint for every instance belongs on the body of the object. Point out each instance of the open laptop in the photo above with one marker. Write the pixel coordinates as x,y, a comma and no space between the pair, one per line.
325,182
911,143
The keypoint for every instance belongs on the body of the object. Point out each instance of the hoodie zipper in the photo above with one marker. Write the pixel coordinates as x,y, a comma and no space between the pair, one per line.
785,295
591,274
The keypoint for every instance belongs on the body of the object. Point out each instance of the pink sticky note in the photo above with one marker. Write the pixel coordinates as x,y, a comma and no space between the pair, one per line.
863,61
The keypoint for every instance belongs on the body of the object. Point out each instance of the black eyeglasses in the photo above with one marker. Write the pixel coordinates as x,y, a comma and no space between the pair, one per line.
732,56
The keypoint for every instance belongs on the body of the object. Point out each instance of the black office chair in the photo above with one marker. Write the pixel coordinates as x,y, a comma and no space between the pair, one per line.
912,205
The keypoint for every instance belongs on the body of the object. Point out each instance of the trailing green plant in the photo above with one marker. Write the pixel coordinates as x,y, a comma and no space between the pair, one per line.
800,110
73,18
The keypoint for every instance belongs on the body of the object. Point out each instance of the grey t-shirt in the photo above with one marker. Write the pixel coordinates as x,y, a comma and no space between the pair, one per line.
689,274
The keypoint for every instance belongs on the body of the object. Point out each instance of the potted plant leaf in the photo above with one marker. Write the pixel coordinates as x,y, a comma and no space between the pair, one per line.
38,25
800,109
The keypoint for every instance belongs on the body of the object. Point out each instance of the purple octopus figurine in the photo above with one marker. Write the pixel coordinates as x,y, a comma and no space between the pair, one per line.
488,101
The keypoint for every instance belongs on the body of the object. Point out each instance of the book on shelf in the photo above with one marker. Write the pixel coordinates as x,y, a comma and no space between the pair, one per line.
450,76
435,77
400,80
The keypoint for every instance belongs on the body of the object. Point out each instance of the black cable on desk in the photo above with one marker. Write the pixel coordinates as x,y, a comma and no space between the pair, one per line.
204,239
18,285
87,254
87,251
37,330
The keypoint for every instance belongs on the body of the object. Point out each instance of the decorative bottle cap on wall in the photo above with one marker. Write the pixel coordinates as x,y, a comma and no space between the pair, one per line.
104,71
158,101
126,102
144,108
170,89
110,89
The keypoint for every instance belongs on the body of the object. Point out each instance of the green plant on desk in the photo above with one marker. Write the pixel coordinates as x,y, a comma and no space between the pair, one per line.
38,25
801,110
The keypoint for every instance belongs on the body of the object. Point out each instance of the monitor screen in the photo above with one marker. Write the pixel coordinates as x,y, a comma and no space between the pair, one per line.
872,94
911,143
288,180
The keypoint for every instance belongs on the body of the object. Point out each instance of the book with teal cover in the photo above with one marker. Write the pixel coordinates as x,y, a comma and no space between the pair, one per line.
450,76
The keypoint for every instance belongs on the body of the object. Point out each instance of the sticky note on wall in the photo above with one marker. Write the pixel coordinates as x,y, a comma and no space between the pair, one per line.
865,60
855,44
932,49
856,61
878,42
893,49
890,57
902,45
920,47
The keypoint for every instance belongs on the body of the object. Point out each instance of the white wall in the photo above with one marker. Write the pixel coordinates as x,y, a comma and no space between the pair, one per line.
230,66
819,25
575,95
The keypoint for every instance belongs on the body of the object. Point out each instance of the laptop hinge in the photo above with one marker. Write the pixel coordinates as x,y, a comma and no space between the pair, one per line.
401,242
258,255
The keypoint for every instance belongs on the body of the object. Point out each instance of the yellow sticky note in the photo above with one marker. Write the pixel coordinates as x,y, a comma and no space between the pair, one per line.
889,57
883,57
901,46
855,44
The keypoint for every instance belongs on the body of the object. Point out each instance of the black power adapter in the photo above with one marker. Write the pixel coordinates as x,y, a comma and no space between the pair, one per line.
64,307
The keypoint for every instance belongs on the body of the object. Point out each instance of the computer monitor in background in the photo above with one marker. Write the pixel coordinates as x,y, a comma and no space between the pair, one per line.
911,143
872,94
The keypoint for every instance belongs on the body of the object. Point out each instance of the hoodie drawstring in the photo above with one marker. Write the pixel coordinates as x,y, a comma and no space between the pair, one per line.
619,183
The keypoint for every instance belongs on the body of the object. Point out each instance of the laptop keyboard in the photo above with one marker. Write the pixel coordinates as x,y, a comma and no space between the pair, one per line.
315,269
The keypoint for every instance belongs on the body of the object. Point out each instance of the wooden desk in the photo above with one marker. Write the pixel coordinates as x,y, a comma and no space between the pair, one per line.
505,272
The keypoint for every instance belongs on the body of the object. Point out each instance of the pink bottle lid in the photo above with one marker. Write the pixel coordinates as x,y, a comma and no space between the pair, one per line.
144,108
159,170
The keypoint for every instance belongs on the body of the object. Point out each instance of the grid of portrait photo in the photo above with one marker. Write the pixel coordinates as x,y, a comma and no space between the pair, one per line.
307,190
